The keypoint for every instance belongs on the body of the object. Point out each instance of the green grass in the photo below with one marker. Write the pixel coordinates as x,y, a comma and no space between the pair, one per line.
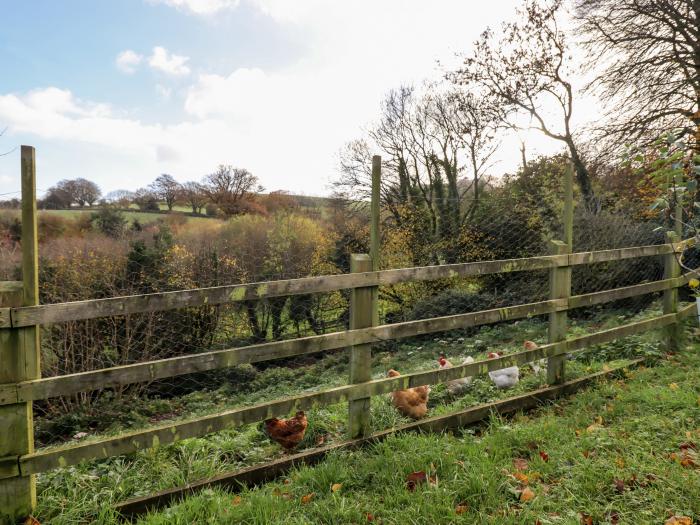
639,417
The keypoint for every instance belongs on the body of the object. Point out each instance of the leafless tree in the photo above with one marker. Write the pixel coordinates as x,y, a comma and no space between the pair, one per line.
193,195
166,188
525,67
229,187
79,191
647,58
435,147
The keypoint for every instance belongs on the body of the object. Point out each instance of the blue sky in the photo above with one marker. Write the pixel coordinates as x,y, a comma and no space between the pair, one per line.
277,86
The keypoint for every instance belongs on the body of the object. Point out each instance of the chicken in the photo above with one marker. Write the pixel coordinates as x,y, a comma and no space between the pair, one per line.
456,386
412,402
287,432
505,377
536,365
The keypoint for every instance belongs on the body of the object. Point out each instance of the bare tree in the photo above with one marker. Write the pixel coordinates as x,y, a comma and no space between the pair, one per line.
435,148
524,66
193,194
122,198
647,56
166,188
229,187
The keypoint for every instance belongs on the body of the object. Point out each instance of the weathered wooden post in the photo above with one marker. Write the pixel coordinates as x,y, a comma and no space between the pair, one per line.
361,316
560,281
672,270
374,234
19,357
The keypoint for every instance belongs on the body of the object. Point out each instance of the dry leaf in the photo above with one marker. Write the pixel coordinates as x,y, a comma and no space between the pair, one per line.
673,386
31,520
619,485
522,478
415,478
613,517
336,487
679,520
586,453
620,462
236,501
320,440
461,508
307,498
527,495
369,517
544,456
520,464
287,481
586,519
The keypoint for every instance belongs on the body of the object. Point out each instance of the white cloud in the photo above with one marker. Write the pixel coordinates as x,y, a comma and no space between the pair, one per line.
284,124
168,63
199,7
164,92
127,61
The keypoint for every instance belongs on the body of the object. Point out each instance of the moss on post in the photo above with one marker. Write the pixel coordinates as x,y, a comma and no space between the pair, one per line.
362,315
19,357
559,288
672,269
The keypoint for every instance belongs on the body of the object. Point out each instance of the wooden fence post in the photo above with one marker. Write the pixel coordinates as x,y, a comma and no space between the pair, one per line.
559,288
374,234
19,356
672,270
361,316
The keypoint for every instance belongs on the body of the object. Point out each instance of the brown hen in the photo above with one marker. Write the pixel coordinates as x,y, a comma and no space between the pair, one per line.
287,432
412,402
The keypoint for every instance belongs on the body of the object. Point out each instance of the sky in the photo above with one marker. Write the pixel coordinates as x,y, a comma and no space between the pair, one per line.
121,91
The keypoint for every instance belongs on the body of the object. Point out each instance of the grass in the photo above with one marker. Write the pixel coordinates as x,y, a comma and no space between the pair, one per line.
643,421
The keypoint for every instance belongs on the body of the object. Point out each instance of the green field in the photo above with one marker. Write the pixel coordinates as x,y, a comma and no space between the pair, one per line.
473,470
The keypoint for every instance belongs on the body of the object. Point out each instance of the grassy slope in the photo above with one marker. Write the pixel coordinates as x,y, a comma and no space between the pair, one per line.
644,420
84,494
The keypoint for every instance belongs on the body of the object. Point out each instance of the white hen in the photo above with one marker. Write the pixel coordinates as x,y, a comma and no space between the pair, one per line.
456,386
505,377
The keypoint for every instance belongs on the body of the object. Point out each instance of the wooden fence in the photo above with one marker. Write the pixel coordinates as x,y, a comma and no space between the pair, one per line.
21,316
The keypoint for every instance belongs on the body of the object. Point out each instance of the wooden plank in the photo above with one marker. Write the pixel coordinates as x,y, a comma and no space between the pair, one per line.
618,254
96,308
362,315
142,372
606,296
258,474
559,288
134,441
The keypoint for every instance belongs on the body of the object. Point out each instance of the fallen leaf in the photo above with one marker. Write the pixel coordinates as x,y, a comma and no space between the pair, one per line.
522,478
527,495
586,453
688,445
679,520
336,487
369,517
306,499
520,464
414,479
544,456
613,517
673,386
619,485
586,519
31,520
236,501
320,440
287,481
461,508
620,462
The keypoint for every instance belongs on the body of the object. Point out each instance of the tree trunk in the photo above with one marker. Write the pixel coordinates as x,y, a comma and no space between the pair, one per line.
583,179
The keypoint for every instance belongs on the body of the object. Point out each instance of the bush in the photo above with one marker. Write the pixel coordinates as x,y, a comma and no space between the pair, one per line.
212,210
110,222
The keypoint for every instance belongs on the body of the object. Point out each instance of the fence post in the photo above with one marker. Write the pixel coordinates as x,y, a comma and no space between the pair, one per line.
361,316
559,288
19,355
374,234
672,270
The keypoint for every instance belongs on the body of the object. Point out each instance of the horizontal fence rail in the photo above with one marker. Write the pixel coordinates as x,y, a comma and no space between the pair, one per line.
206,361
169,433
96,308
